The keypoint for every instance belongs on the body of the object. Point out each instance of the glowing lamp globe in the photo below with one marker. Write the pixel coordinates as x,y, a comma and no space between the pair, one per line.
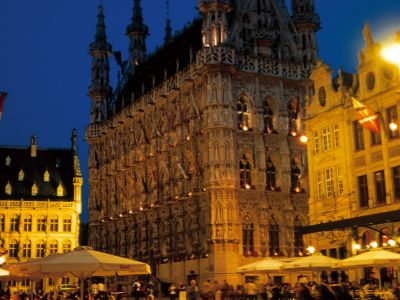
392,53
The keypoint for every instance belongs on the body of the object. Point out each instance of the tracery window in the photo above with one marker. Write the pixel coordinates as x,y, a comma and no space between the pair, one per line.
243,114
245,173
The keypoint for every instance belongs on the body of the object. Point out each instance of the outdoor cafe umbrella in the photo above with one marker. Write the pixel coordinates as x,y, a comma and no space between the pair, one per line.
377,258
266,265
316,262
83,263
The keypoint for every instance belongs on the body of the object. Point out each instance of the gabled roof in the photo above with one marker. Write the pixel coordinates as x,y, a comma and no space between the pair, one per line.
58,162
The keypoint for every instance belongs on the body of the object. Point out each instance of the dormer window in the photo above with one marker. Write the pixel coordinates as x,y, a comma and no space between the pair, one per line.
58,163
46,176
8,189
8,161
60,190
34,190
21,175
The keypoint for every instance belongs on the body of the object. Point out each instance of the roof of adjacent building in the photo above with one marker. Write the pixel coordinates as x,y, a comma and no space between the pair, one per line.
59,163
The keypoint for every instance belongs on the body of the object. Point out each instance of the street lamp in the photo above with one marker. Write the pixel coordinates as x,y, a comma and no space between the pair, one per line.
311,250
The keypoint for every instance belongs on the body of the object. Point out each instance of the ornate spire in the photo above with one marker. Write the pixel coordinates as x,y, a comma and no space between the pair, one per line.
137,32
367,34
168,29
77,167
100,88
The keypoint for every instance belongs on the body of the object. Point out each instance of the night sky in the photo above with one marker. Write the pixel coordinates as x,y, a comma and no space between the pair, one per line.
45,66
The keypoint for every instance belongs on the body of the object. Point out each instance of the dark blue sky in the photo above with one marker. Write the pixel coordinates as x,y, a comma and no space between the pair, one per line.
45,66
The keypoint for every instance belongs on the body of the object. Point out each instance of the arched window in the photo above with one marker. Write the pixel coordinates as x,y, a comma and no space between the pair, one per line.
26,249
53,247
66,246
366,239
245,173
243,114
271,174
40,249
274,244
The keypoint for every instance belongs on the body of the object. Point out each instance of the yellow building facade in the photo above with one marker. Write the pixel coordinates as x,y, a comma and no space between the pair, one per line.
40,202
354,171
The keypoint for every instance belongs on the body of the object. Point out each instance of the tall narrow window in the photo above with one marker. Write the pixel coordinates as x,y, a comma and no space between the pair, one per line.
245,173
318,179
243,114
26,249
396,182
363,191
28,223
329,182
54,224
14,249
298,238
316,142
380,187
2,223
40,249
248,238
14,224
271,175
274,245
67,225
339,178
326,139
336,135
358,136
391,116
268,118
41,223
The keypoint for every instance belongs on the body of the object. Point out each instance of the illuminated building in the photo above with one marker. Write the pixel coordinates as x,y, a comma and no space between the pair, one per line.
195,164
354,155
40,200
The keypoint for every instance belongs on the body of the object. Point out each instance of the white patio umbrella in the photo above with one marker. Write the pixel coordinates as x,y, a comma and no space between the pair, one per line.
266,265
82,263
377,258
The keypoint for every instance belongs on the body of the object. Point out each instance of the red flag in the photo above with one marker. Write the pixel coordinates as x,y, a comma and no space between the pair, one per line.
368,118
3,96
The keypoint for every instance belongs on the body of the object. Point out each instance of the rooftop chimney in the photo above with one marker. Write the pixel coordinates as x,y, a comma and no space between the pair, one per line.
33,146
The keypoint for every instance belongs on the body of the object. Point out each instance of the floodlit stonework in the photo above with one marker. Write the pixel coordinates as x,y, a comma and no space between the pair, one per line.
195,164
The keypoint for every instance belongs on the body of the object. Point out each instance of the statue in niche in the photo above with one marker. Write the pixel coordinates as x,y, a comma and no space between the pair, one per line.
268,118
271,174
295,173
293,113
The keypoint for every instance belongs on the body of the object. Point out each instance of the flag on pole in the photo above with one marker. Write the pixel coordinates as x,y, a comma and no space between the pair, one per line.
3,96
368,118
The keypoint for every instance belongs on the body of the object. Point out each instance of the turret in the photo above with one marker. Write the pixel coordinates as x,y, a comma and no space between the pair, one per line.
100,88
307,23
137,32
77,179
168,29
215,21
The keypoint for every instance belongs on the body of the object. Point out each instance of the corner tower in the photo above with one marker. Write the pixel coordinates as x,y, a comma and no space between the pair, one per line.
99,88
137,32
307,23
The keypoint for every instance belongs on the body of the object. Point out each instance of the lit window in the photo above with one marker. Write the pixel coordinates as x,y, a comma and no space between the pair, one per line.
329,182
67,225
248,239
54,224
245,173
8,189
8,161
391,116
26,249
316,142
60,190
28,223
326,139
21,175
40,249
53,247
14,224
46,176
34,190
243,114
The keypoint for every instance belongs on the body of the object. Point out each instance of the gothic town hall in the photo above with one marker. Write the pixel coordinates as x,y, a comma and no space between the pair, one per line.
195,162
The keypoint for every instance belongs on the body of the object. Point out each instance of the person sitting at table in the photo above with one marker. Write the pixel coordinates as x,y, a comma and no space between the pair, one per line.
326,293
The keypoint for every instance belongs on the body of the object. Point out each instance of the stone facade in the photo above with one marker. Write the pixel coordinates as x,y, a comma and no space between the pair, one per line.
199,170
353,171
